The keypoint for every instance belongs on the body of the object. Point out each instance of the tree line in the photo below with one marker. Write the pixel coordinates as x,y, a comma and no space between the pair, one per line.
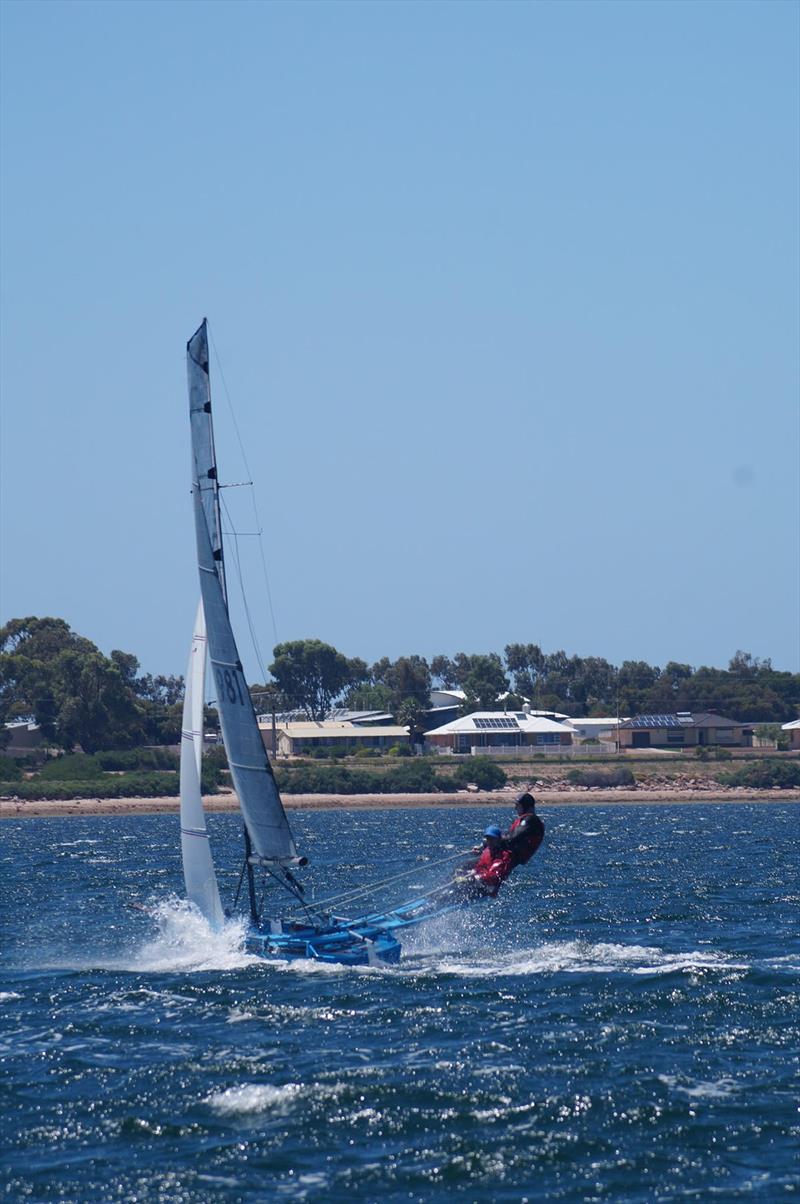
79,696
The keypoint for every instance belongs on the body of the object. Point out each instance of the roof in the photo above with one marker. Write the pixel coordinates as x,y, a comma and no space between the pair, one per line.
342,715
338,714
791,727
682,719
488,721
640,721
591,721
711,719
307,729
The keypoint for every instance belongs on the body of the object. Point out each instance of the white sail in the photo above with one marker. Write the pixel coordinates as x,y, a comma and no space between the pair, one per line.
253,780
198,866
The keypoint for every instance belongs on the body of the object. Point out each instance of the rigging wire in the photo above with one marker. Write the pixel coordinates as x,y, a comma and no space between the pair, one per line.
240,576
349,896
293,890
256,515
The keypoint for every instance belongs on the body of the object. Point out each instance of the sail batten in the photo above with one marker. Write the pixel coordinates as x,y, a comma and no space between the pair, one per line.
253,779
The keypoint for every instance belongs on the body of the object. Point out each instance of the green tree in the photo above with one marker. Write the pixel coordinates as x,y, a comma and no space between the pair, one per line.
41,639
634,680
310,674
75,694
409,677
444,672
526,664
91,704
484,681
368,696
413,715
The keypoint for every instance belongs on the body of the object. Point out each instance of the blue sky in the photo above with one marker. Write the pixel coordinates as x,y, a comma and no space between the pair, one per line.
505,297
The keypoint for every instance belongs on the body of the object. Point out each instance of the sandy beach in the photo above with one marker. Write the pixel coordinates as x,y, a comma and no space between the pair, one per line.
565,797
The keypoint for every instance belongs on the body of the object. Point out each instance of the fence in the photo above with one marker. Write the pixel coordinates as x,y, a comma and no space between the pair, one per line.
526,751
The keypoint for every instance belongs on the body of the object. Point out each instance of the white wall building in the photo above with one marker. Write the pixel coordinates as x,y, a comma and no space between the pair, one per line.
486,730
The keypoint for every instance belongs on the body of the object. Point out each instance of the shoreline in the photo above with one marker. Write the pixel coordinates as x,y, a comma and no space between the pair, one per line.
216,804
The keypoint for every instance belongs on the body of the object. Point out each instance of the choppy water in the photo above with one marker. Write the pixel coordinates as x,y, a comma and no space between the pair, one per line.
621,1024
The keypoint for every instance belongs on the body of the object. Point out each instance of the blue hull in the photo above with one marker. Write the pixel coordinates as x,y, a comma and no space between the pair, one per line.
337,946
368,940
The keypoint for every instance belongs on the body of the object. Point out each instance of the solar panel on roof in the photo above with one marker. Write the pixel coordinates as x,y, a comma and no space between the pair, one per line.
656,721
502,721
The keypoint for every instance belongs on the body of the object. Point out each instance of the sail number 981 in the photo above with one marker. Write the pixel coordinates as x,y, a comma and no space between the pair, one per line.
229,687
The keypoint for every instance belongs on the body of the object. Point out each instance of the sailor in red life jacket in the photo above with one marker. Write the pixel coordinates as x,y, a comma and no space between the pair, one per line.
526,832
489,872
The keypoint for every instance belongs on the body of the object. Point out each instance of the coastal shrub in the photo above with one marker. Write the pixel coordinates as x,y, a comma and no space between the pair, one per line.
129,785
9,770
413,777
215,755
137,759
328,752
319,779
400,750
485,773
74,767
619,776
210,775
764,775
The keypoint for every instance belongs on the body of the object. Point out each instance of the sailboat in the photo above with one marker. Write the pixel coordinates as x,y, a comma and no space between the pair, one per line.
270,852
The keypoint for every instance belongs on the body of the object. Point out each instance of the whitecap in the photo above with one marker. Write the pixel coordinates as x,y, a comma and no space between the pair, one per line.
236,1016
715,1089
253,1097
7,996
265,1097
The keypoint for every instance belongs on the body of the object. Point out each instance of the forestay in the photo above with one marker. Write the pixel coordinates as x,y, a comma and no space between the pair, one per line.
251,771
198,866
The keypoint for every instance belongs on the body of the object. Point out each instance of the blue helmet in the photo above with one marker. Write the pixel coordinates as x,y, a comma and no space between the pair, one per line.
493,830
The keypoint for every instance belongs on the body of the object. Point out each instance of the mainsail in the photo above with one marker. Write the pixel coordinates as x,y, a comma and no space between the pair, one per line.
253,780
198,867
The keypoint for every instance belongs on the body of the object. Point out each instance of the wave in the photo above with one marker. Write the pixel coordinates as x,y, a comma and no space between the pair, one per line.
718,1089
263,1097
582,957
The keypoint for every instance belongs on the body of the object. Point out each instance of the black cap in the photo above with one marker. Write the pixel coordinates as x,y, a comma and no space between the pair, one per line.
526,800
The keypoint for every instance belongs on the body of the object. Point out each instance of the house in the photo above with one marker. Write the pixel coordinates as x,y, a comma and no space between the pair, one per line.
594,729
296,737
484,731
24,736
445,705
793,729
686,729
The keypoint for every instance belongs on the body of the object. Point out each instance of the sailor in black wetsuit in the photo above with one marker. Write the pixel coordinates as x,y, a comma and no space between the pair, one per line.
527,831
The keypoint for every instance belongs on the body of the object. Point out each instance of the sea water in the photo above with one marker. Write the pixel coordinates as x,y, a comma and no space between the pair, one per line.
620,1024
